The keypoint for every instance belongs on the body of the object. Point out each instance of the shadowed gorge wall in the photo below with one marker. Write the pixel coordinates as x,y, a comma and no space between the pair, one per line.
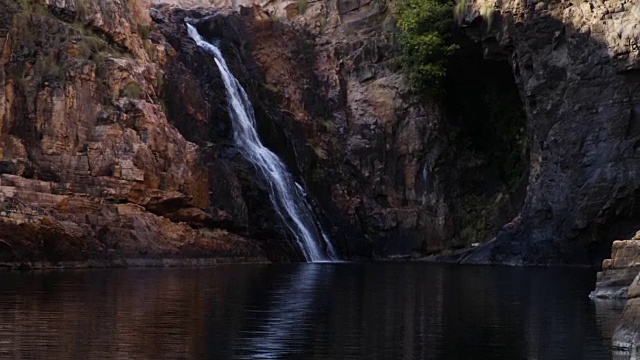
577,70
486,126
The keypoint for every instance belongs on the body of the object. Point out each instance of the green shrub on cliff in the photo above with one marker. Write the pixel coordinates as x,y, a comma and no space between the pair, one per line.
426,30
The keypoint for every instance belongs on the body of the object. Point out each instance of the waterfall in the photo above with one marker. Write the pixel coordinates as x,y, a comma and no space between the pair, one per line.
286,195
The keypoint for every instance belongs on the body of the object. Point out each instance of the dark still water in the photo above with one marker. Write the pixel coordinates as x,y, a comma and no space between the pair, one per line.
323,311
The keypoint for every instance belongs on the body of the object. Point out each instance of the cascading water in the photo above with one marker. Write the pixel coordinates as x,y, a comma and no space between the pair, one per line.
286,195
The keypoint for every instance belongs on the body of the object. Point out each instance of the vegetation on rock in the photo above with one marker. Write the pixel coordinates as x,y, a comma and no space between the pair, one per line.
426,41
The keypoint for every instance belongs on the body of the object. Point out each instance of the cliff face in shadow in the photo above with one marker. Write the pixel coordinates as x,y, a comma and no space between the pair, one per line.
578,70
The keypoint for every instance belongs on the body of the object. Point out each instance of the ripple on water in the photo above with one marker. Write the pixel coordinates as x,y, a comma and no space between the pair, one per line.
306,311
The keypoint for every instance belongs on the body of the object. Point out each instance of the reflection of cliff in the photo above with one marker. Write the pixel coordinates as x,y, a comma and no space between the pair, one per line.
113,315
608,314
345,311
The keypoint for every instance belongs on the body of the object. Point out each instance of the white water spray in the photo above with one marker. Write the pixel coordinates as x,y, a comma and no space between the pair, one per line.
286,195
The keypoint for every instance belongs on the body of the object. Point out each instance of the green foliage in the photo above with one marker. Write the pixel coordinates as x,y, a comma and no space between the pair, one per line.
24,4
426,29
323,24
476,211
164,104
329,126
55,71
160,82
320,152
26,7
91,44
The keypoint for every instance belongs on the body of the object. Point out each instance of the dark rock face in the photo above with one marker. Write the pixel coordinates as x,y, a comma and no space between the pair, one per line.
579,75
377,161
359,141
199,110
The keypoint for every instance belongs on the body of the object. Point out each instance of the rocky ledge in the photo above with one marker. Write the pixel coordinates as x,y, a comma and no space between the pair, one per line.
620,279
619,271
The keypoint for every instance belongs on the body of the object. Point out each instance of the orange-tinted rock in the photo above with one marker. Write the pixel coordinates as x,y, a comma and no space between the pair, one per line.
91,167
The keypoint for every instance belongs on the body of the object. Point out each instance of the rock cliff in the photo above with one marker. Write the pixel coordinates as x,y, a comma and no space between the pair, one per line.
379,161
115,140
620,279
91,167
577,65
387,168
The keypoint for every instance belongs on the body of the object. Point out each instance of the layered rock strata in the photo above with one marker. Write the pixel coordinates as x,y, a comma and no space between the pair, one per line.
620,280
619,271
91,167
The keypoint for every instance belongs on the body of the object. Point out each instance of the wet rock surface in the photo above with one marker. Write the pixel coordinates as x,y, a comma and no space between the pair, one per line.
626,336
620,280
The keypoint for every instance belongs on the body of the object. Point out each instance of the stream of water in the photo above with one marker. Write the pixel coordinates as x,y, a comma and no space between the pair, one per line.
285,194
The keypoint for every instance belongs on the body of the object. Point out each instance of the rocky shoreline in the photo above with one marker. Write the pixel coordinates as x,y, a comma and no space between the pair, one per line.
619,280
129,263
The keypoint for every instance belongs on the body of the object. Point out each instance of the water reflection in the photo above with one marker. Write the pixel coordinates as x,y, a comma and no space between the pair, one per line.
608,311
314,311
284,327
